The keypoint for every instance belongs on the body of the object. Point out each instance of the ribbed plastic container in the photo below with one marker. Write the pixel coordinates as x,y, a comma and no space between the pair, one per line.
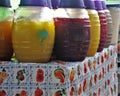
33,34
115,14
6,25
103,25
72,27
95,27
109,24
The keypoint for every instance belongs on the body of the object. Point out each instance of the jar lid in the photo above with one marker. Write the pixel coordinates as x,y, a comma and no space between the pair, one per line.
49,3
42,3
5,3
55,3
98,5
103,4
71,4
89,4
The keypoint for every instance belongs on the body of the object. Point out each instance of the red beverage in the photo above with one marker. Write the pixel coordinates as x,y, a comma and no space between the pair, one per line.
72,38
110,28
104,30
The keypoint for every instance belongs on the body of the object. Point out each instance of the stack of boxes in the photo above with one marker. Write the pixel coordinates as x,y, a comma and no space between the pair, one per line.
95,76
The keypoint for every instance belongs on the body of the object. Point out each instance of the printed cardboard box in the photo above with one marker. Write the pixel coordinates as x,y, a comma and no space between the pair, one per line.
5,78
4,90
19,91
19,74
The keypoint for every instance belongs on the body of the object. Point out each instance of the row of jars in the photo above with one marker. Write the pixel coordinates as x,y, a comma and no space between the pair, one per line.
71,32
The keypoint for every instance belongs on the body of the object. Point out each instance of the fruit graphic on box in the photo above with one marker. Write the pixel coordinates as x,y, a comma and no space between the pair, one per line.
3,75
111,89
108,82
84,85
89,65
90,83
103,72
60,93
72,75
22,93
3,93
79,90
99,91
94,94
38,92
20,75
94,64
95,78
40,75
85,68
102,59
72,90
59,74
106,55
100,76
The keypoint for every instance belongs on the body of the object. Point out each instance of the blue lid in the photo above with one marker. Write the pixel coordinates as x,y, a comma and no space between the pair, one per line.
49,4
55,3
98,5
103,4
42,3
89,4
5,3
71,4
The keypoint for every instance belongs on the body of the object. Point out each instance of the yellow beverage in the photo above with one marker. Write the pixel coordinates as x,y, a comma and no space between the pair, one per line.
33,41
94,32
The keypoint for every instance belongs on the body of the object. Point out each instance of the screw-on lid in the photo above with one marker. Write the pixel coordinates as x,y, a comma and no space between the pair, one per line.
49,4
5,3
55,3
98,5
89,4
103,4
42,3
71,4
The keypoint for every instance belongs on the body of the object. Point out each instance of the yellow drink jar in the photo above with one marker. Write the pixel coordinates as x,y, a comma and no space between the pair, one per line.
95,27
94,32
33,34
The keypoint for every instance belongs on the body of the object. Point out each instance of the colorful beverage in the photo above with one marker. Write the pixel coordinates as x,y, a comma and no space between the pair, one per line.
94,32
6,50
109,23
104,30
110,28
33,41
72,38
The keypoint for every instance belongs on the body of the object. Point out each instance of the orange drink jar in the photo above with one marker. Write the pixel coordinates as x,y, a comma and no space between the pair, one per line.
6,22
